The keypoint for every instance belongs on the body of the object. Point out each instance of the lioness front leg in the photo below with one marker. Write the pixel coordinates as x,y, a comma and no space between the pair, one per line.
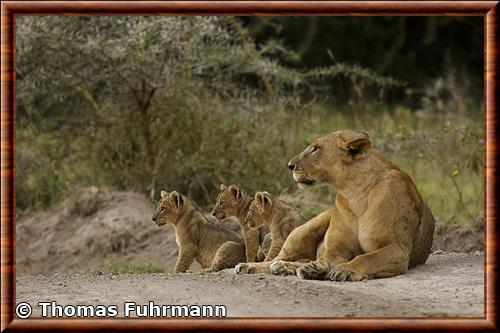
387,261
334,252
251,268
184,259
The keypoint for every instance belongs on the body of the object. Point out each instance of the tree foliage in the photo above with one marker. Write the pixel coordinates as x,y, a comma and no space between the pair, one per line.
157,102
415,49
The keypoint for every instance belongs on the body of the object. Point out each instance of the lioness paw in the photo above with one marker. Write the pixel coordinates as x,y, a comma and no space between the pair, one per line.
343,273
244,268
311,271
281,268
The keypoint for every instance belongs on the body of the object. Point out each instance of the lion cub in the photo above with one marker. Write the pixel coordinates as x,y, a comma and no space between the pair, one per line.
210,244
232,201
281,218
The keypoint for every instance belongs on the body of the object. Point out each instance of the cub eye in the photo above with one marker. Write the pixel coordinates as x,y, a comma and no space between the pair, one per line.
314,149
163,209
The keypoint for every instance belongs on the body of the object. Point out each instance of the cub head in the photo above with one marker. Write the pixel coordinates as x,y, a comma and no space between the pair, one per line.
260,209
327,159
229,199
169,208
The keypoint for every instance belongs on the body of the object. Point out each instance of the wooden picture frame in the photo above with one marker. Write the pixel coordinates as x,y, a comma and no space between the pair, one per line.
10,9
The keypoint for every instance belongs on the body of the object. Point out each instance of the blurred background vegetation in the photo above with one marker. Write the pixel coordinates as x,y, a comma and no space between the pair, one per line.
187,103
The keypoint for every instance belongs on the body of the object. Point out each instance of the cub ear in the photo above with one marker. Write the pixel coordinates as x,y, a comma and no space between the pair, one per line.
163,194
177,199
264,198
355,142
222,187
236,192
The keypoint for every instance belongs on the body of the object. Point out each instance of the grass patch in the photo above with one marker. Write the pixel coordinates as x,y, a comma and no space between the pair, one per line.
122,268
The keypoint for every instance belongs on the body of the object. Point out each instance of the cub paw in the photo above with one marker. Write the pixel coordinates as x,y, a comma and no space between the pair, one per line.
342,272
281,268
244,268
311,271
208,270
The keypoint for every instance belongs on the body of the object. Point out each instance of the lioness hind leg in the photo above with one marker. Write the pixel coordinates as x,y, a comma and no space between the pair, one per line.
280,267
387,261
227,256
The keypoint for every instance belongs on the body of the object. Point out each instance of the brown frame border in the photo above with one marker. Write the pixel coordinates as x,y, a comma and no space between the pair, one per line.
9,9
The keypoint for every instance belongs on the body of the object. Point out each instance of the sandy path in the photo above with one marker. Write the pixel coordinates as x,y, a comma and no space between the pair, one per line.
448,285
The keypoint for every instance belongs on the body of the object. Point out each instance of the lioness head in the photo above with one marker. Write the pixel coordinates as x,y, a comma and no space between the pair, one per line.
230,198
169,208
326,159
260,209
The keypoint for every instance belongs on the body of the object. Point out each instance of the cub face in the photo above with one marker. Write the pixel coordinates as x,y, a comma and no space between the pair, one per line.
228,201
169,208
260,209
326,159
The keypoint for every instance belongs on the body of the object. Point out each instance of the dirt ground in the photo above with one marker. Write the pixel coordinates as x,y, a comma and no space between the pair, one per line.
448,285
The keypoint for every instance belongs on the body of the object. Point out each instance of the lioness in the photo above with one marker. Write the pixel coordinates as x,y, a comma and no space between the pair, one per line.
232,201
378,227
281,218
210,244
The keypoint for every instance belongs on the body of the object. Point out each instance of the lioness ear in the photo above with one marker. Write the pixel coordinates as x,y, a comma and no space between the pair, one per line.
222,187
236,192
177,199
163,194
355,142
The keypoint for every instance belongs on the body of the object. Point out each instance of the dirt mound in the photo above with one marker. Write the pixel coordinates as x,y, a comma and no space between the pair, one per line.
452,237
97,229
91,230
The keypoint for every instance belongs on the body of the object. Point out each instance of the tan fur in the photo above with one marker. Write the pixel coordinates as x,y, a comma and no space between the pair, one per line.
232,201
281,218
210,244
378,227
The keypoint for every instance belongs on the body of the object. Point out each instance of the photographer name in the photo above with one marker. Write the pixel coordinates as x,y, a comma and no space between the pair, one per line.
130,309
